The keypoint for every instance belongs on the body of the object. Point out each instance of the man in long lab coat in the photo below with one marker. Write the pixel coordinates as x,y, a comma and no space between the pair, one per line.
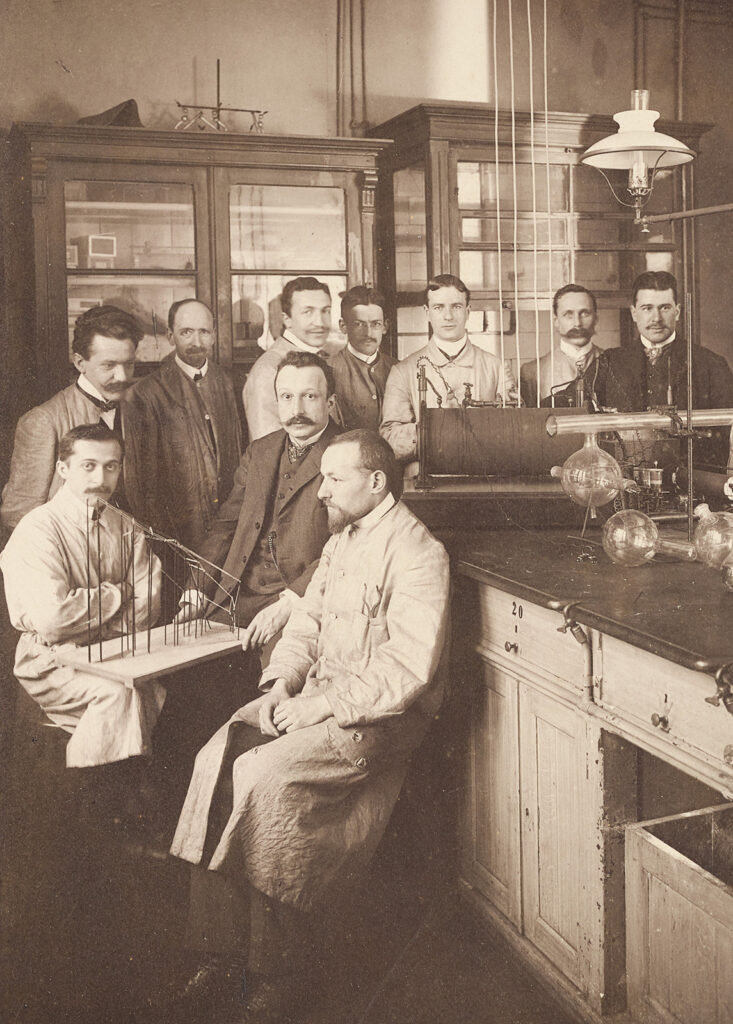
291,797
65,564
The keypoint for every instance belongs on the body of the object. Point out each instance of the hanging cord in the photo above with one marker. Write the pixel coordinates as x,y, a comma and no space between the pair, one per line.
534,202
514,182
547,174
498,208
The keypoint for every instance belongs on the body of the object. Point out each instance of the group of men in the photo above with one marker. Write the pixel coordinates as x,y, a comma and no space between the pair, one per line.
336,584
290,796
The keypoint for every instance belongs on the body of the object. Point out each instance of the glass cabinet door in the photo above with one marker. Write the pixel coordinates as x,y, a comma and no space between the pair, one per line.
132,245
280,226
137,244
518,234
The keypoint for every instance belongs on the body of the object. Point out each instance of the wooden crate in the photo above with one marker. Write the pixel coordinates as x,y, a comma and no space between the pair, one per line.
679,918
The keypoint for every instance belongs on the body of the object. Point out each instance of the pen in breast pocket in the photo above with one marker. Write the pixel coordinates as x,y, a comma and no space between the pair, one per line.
370,610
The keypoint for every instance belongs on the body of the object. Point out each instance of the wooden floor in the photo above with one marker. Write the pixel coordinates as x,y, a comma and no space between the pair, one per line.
92,933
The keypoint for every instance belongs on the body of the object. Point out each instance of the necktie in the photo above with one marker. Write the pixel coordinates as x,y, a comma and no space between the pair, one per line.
653,354
580,367
197,377
295,453
99,402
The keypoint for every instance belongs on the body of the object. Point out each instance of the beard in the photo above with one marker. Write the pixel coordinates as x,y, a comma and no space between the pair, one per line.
338,519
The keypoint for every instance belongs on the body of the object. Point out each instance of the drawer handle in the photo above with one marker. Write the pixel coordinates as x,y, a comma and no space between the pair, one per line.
509,647
660,722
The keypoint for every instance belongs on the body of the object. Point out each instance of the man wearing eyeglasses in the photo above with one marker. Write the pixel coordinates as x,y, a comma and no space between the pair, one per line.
361,369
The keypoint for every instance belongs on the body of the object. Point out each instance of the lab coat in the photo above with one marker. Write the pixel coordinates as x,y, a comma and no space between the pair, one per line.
310,806
45,569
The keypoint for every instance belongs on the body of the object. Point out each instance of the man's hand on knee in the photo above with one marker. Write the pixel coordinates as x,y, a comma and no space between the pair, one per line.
266,624
300,712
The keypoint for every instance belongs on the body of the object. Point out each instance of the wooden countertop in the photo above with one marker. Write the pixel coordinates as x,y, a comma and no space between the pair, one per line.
678,610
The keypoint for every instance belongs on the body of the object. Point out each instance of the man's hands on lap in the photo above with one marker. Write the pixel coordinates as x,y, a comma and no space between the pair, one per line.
300,712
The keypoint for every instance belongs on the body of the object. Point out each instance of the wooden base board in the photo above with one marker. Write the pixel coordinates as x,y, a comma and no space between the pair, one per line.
196,643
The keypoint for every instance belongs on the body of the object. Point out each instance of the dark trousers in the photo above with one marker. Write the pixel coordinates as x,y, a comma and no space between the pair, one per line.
231,918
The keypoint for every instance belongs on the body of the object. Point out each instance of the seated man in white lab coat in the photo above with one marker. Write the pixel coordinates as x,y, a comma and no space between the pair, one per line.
290,798
68,567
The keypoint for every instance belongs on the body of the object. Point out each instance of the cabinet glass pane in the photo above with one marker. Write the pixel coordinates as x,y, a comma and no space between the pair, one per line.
483,229
621,231
477,187
129,226
601,270
412,330
257,314
592,192
148,298
410,229
480,270
278,227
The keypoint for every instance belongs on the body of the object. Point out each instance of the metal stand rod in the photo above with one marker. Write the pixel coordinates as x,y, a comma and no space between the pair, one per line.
99,586
89,592
688,342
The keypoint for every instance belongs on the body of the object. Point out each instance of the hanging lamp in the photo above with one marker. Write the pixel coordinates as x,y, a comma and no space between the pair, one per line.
637,148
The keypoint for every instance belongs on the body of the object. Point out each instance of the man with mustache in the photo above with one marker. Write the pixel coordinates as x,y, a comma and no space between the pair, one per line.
573,360
66,562
306,307
184,439
652,371
289,799
103,351
271,529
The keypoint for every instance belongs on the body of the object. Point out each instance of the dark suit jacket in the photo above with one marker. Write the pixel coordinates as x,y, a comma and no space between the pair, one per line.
175,480
622,375
621,384
302,523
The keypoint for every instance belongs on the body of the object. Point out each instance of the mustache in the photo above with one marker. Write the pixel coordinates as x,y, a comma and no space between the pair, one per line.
118,386
578,332
304,421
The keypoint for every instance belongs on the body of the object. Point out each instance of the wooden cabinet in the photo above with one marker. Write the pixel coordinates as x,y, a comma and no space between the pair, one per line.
568,746
532,800
501,200
491,815
140,218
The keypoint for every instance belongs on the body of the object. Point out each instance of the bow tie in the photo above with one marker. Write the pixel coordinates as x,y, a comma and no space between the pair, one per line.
295,453
100,402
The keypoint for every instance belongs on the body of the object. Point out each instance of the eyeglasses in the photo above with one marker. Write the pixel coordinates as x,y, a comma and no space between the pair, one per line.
362,326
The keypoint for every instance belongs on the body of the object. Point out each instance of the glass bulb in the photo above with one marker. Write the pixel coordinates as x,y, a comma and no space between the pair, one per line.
713,536
591,477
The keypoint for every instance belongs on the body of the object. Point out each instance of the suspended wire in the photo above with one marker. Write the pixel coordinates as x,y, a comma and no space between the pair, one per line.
498,207
514,183
534,201
547,173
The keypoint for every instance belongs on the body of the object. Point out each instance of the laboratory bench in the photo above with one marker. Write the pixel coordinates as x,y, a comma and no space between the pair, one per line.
596,737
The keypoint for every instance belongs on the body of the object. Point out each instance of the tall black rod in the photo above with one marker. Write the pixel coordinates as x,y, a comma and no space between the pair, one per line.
132,586
99,582
150,591
123,607
89,591
688,342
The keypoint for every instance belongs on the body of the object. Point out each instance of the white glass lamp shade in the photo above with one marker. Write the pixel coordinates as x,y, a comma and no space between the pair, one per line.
636,140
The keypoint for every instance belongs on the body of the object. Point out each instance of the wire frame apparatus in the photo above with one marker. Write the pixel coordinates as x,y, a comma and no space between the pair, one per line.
129,646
